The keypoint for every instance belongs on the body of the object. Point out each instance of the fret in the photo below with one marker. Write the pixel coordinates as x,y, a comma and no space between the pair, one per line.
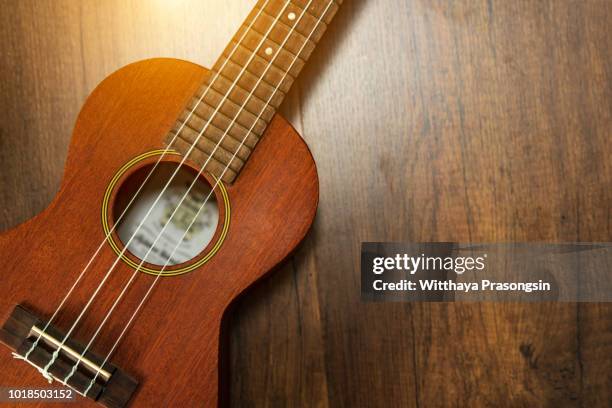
253,106
195,124
238,127
214,166
307,26
233,110
198,123
317,7
190,131
219,120
220,154
270,52
249,82
253,103
259,67
280,34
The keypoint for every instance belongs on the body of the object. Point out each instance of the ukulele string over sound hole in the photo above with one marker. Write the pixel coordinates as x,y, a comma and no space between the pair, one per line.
166,228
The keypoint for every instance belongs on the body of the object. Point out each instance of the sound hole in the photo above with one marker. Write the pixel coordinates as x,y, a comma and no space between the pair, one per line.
175,230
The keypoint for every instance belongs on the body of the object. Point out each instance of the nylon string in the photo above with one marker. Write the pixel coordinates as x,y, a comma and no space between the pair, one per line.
191,186
108,273
153,284
96,253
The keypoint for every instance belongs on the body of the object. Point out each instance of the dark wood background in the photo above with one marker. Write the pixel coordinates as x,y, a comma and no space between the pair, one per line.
430,120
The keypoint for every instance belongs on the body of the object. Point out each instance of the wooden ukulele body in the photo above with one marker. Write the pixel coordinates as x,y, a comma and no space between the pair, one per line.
172,348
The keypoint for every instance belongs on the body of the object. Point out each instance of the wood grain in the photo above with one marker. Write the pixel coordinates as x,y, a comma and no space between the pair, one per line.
173,351
429,120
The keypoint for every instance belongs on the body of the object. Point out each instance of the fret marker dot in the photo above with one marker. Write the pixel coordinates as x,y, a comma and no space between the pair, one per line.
291,16
269,51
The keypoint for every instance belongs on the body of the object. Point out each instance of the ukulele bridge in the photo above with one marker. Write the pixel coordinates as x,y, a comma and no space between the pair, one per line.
106,384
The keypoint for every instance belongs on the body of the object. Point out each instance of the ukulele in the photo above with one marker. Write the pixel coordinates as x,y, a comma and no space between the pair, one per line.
182,187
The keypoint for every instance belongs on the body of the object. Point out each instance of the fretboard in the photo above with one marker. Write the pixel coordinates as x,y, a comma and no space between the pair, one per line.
230,112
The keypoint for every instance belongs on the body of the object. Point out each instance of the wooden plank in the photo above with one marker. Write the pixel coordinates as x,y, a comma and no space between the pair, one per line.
474,136
429,120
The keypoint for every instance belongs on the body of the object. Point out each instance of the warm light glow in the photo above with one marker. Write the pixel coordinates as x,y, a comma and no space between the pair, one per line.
169,4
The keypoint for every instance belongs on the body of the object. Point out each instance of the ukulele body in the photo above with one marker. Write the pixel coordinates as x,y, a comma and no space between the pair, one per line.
172,348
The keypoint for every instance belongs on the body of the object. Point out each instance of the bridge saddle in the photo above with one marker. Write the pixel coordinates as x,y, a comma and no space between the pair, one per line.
108,384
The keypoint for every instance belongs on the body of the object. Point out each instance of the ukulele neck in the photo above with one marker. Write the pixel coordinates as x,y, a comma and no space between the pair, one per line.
230,112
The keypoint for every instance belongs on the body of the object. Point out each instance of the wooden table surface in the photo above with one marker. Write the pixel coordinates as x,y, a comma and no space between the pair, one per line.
430,120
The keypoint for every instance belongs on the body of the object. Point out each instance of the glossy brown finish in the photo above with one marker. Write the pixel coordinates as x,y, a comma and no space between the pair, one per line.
172,349
429,120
